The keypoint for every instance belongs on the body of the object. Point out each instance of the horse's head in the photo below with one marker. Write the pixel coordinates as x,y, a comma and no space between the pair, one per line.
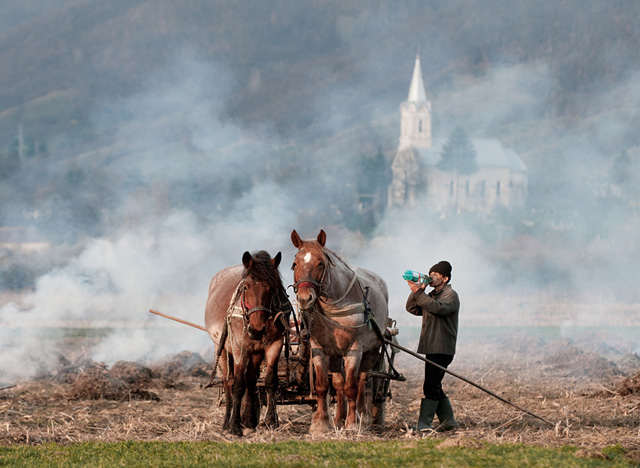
260,284
310,268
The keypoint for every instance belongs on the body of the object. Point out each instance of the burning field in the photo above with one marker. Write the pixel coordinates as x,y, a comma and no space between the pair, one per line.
589,390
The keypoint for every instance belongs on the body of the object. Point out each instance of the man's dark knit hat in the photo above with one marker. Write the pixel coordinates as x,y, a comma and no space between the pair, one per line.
443,267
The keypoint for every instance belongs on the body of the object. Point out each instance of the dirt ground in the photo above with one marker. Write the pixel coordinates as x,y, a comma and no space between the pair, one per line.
587,389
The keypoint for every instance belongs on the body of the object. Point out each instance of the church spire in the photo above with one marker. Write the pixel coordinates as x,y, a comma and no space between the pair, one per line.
415,113
416,90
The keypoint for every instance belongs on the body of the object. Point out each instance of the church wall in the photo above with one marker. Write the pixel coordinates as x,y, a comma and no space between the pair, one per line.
483,191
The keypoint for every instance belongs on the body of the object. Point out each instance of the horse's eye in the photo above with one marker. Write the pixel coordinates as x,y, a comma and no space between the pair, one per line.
293,267
321,265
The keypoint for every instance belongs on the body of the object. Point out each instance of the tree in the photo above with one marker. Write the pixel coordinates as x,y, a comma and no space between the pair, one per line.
373,178
374,174
458,154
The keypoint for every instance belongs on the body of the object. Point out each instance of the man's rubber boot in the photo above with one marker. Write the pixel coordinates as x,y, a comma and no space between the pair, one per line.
445,416
427,412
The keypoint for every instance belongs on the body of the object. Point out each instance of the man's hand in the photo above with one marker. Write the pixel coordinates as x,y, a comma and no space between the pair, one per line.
416,286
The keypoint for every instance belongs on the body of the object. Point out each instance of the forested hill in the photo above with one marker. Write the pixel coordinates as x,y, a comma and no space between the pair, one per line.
201,118
62,57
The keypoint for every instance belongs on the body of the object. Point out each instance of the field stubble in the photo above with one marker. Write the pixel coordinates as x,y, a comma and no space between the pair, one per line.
588,386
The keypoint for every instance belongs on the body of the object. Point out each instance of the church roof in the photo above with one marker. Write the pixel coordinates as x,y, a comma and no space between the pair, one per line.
416,89
489,153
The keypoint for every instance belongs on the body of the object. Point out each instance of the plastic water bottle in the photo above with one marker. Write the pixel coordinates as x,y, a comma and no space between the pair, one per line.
416,276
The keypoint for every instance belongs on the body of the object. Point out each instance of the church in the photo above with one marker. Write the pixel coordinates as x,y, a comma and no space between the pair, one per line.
498,178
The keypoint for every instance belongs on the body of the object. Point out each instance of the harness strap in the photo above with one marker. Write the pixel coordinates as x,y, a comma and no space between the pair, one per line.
351,309
338,324
353,281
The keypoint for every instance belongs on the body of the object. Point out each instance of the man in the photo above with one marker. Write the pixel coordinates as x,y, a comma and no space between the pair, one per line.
439,310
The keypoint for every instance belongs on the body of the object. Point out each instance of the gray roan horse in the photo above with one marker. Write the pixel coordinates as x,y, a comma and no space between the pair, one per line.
338,303
246,313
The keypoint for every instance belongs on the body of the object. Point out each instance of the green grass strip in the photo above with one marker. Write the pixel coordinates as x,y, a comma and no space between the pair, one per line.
300,454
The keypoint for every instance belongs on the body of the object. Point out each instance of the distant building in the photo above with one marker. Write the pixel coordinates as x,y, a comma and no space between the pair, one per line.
499,181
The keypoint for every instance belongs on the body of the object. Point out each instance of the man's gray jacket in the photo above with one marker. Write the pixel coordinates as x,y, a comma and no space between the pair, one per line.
439,313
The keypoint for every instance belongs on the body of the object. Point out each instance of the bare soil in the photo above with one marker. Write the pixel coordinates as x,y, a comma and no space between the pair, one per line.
588,390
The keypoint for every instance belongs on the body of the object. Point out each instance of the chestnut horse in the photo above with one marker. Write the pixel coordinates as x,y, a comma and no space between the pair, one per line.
245,315
338,303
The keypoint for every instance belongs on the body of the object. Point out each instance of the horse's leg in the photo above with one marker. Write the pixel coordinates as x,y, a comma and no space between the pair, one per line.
351,374
250,407
237,392
320,422
361,405
272,356
226,371
246,409
341,403
336,368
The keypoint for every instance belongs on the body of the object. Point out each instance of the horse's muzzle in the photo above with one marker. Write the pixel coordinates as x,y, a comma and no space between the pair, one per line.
307,301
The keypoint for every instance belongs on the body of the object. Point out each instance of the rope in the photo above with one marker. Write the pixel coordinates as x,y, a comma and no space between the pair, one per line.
233,339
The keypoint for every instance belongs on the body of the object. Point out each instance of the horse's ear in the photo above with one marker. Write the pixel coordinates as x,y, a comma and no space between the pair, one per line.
275,261
247,260
322,237
295,238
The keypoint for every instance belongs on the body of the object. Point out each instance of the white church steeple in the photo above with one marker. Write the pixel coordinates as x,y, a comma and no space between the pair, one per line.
415,113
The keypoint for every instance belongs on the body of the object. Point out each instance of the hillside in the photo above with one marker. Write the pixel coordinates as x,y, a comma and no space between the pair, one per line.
128,109
284,55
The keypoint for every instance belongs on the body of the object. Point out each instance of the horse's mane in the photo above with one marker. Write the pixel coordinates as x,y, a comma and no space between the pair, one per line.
263,270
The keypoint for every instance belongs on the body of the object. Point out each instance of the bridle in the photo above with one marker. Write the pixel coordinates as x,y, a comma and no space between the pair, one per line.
309,282
248,310
320,286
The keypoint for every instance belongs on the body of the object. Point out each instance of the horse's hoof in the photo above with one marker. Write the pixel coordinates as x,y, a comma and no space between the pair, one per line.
236,431
352,428
366,419
320,427
271,424
354,425
248,431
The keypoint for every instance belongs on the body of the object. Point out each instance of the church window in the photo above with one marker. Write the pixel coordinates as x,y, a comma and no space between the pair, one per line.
466,188
481,188
420,126
498,190
451,188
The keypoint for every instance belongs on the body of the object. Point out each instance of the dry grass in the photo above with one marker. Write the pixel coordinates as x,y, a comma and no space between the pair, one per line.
592,402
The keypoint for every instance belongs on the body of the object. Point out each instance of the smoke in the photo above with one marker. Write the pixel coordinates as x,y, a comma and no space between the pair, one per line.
504,96
161,239
175,192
